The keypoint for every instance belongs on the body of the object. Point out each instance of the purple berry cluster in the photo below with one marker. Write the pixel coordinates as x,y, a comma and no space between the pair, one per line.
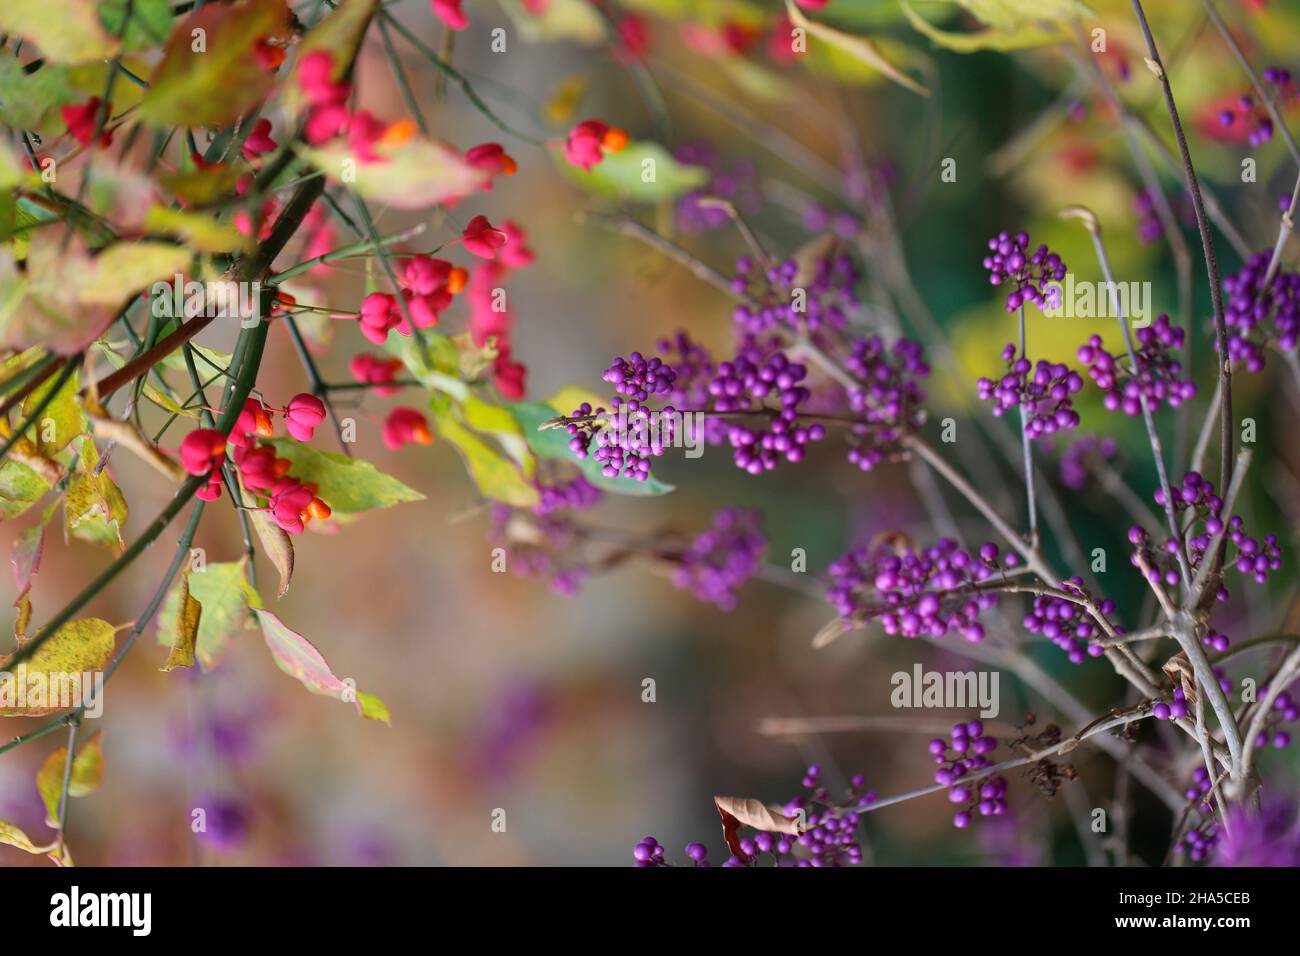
638,378
1256,316
1215,640
694,368
889,401
915,592
576,495
1149,228
1174,709
721,559
1196,494
780,297
1067,624
649,852
538,546
967,750
829,839
1009,260
1286,709
1042,389
1201,841
1158,371
1245,111
743,384
630,433
1081,456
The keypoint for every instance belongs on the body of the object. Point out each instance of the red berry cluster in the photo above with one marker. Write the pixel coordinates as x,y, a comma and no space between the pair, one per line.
292,503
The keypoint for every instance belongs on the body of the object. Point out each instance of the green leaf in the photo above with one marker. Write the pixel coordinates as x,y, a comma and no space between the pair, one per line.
860,47
59,668
347,485
222,81
188,617
1008,29
500,424
197,230
60,422
1012,14
87,774
148,28
299,658
372,708
623,175
497,477
25,98
20,488
414,174
65,31
441,372
553,444
227,601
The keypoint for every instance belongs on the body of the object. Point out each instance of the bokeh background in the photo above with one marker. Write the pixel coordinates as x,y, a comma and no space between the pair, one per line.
505,695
